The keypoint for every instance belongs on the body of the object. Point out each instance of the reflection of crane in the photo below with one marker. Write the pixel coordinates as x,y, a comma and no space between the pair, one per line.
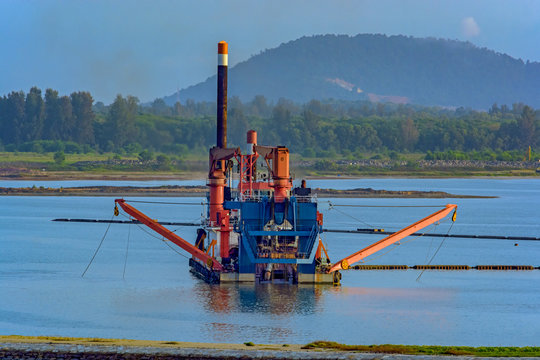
265,230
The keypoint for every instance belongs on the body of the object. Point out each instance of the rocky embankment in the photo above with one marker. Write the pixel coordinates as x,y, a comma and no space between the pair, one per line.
433,164
200,191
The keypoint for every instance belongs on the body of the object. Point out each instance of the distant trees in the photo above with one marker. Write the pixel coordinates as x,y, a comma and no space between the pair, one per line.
83,117
12,118
51,123
34,115
526,127
121,120
54,115
32,118
409,134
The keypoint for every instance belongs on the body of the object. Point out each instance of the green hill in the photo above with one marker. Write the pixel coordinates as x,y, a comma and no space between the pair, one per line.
400,69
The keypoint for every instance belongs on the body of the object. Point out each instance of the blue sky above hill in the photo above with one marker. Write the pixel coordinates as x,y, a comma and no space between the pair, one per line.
151,48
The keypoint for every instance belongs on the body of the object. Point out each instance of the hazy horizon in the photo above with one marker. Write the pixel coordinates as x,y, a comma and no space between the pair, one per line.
151,49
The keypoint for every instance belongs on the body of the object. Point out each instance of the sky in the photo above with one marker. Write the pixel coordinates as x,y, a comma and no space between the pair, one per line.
150,49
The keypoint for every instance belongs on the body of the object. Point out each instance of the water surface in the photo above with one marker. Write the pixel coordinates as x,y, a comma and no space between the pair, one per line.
42,291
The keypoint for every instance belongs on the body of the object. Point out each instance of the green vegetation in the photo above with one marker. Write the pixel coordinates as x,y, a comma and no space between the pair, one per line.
249,343
59,157
429,350
325,137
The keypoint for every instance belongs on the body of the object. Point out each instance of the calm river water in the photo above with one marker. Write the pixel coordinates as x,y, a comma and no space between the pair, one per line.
139,288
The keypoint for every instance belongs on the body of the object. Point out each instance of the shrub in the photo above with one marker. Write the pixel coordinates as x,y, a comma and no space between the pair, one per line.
59,157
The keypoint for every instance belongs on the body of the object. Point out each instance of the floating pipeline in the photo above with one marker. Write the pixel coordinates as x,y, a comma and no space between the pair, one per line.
506,267
379,267
463,236
444,267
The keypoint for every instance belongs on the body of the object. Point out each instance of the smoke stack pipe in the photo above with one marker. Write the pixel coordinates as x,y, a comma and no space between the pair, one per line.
223,52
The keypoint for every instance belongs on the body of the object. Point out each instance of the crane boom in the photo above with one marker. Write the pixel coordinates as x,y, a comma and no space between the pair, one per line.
160,229
389,240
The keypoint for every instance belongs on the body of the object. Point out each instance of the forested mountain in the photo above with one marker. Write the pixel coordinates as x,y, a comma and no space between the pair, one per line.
379,68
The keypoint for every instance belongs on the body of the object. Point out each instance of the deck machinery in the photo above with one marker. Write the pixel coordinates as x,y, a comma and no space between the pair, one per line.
263,229
267,230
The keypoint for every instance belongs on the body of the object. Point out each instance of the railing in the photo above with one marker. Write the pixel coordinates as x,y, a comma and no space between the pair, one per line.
311,242
251,233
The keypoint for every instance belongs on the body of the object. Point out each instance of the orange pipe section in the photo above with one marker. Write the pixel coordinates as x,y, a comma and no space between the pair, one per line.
389,240
280,172
160,229
217,195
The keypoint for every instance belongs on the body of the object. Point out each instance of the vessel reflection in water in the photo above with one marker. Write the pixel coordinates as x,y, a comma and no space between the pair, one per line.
274,299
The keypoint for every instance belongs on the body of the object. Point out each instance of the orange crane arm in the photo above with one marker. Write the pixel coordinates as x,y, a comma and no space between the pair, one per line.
389,240
160,229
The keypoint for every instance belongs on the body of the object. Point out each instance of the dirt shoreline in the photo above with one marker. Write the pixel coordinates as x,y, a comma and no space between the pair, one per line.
15,339
199,175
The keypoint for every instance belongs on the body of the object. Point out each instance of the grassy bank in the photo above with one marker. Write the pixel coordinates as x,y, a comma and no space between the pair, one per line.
429,350
28,165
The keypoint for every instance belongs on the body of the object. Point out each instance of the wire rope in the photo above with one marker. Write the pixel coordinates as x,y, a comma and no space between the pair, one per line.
127,249
97,250
164,202
387,206
436,251
162,239
331,207
412,238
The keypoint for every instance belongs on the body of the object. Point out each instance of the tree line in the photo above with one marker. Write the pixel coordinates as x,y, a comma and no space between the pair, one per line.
32,122
30,117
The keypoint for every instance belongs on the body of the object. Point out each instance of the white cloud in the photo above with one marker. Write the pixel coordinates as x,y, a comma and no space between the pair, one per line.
469,27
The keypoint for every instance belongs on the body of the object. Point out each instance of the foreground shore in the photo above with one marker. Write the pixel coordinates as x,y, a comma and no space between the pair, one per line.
33,347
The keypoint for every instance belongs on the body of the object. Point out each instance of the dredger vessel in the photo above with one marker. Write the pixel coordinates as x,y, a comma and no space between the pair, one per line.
261,229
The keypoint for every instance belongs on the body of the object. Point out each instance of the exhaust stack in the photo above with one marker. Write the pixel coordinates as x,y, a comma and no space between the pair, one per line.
222,95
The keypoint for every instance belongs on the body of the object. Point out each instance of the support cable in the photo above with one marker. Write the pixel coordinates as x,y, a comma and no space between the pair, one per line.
97,250
436,251
127,249
392,248
164,202
386,206
162,239
332,207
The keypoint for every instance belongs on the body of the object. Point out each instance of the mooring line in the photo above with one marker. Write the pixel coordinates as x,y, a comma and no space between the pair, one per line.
127,249
97,250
